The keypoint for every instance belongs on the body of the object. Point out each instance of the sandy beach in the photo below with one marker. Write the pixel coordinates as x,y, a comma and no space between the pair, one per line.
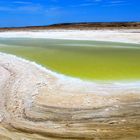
119,35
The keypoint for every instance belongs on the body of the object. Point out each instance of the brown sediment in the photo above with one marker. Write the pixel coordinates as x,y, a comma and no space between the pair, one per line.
79,26
37,104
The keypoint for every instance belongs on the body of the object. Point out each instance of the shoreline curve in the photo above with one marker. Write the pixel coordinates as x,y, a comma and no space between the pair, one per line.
36,103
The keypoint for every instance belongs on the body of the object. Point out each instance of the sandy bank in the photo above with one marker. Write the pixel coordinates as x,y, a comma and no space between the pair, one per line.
126,35
36,103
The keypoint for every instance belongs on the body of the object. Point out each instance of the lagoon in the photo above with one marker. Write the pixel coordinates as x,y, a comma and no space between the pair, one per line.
92,60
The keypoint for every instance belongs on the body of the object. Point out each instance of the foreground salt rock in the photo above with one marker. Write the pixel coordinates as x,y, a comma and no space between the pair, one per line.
37,104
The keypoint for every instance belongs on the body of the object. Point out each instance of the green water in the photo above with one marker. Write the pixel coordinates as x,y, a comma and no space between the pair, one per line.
84,59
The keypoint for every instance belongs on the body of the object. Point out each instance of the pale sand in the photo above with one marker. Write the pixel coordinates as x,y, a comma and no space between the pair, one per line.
36,103
127,36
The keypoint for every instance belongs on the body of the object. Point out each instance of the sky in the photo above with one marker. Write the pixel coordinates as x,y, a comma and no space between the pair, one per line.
15,13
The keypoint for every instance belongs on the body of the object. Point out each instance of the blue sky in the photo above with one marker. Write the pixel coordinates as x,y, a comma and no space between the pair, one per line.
44,12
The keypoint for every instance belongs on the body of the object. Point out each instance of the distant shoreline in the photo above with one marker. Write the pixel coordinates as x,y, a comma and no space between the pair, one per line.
78,26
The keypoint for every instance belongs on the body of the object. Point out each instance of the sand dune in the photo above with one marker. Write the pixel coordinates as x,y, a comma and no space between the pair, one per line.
36,103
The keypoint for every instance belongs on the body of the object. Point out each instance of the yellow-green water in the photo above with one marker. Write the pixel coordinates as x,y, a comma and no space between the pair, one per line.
84,59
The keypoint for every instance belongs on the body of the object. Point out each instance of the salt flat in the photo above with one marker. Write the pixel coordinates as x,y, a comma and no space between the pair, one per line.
122,35
36,103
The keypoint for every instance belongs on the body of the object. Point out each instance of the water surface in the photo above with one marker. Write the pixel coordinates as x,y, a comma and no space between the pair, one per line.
84,59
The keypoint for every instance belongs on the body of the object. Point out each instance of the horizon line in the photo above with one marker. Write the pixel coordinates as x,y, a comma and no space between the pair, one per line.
68,23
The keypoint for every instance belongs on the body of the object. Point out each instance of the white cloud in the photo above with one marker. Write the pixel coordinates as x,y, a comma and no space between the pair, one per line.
53,11
32,8
3,8
93,1
117,1
22,2
83,5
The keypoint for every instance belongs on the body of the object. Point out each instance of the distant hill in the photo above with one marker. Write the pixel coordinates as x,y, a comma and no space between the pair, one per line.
80,26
